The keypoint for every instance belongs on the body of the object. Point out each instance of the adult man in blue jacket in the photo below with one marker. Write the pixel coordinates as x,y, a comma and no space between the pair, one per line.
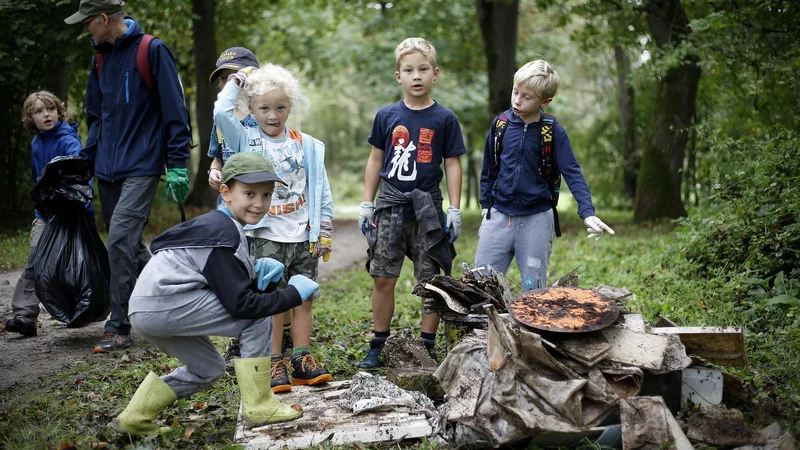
135,131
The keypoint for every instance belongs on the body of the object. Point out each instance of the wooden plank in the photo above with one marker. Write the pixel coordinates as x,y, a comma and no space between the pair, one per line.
325,422
642,350
719,345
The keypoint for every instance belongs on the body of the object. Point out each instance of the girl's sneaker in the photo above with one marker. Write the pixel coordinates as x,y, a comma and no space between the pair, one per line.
280,376
306,370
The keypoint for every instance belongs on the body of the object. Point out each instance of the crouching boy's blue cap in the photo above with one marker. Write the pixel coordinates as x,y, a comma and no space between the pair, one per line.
249,168
91,8
234,58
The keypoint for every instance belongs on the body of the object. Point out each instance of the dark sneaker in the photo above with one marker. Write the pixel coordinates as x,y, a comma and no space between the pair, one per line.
372,360
23,325
112,341
286,343
234,351
432,354
280,376
306,370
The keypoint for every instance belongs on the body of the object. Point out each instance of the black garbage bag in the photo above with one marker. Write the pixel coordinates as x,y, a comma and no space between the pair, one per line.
71,269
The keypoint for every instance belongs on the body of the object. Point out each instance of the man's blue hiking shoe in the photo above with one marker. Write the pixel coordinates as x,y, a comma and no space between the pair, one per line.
372,360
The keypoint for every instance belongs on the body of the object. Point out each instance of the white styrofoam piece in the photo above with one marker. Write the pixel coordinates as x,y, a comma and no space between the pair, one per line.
701,386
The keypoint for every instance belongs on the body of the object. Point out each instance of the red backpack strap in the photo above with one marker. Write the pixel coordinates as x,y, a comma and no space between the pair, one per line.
143,61
98,63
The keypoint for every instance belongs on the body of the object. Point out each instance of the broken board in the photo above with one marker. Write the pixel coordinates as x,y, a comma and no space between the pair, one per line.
719,345
323,421
642,350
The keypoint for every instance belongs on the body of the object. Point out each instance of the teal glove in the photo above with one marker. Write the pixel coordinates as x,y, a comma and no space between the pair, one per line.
178,183
305,286
268,271
453,223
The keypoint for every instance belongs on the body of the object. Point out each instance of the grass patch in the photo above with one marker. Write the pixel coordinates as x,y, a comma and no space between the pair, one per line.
646,259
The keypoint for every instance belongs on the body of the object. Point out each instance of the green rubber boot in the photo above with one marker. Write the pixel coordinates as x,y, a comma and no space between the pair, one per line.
259,405
149,400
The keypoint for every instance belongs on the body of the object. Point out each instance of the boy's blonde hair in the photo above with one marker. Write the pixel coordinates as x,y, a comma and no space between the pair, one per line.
415,44
49,100
539,76
269,78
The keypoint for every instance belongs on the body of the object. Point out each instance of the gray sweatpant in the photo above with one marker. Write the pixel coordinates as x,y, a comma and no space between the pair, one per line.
24,301
529,238
182,332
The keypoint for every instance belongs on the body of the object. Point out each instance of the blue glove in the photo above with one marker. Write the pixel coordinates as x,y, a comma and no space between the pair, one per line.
366,216
305,286
453,223
268,271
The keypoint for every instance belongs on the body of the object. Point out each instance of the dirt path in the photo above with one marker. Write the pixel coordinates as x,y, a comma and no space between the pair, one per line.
56,349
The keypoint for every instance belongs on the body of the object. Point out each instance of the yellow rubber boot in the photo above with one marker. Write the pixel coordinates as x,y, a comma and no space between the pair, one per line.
259,404
147,403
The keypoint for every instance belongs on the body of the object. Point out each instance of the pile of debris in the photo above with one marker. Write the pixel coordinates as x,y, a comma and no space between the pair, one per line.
550,367
561,364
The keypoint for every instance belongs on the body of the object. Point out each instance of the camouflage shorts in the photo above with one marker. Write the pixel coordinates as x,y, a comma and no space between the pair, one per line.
294,256
412,243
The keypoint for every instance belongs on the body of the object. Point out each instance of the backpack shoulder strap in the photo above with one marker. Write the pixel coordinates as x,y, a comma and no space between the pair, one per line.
296,135
548,169
98,63
500,125
143,61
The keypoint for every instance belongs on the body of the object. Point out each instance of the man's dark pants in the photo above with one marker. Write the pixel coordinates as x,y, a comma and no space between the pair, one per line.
126,209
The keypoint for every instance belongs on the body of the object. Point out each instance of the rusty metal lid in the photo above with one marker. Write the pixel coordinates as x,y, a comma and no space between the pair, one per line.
564,310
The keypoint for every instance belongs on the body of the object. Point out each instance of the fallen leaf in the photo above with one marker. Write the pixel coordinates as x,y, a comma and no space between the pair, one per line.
200,406
125,358
78,381
188,432
66,446
175,422
98,445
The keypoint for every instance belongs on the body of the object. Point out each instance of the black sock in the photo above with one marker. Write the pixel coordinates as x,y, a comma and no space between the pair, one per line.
429,339
379,339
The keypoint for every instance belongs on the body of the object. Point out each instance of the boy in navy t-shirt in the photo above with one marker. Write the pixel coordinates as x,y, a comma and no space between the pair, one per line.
410,139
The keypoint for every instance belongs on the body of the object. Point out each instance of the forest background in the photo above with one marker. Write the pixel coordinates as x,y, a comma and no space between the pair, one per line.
683,114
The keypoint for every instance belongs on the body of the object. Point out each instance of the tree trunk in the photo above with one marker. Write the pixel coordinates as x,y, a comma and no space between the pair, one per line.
658,190
205,57
627,115
498,21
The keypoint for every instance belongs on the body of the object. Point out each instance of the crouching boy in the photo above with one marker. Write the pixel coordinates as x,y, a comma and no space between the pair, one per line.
179,300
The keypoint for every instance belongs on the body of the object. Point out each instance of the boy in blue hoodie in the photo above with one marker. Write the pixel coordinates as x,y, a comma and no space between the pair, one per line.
516,199
201,282
43,113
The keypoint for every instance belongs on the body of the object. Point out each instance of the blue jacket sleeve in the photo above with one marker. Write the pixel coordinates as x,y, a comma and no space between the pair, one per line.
568,165
213,144
69,146
94,102
488,165
239,295
174,115
232,129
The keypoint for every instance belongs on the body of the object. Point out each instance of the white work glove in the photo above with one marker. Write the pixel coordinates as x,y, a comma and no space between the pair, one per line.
240,77
366,217
596,227
452,224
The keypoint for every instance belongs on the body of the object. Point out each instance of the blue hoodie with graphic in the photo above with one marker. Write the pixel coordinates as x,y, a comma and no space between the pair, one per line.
134,131
519,189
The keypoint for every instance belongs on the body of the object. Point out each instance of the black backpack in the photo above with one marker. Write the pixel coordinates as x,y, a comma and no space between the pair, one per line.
547,169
